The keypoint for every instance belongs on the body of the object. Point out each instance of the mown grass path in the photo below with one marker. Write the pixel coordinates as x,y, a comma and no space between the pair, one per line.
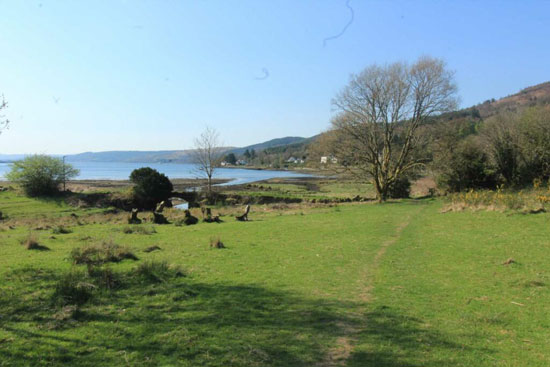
339,354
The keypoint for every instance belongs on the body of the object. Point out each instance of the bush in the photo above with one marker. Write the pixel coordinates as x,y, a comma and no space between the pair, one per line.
401,188
468,167
150,187
41,175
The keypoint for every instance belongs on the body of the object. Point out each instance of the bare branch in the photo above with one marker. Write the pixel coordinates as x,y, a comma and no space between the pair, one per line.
4,122
381,110
208,155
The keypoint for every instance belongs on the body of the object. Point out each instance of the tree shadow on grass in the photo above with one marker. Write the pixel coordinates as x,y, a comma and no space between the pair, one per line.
398,340
55,199
184,322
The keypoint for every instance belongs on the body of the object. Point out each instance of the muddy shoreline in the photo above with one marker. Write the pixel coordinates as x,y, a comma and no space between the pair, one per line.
180,184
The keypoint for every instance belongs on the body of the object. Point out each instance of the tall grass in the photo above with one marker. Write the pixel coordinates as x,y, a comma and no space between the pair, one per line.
107,251
535,199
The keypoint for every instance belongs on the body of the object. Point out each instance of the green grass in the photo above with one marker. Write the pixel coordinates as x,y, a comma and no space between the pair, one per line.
398,284
18,206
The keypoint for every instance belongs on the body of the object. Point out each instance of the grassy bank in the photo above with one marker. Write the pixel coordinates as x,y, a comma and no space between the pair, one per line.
360,284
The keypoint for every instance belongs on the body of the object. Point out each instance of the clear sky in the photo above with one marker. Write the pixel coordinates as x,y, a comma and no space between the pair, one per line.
150,75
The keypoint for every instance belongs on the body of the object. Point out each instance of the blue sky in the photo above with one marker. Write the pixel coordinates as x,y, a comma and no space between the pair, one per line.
150,75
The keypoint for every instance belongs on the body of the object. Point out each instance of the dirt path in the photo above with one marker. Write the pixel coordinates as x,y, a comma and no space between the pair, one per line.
341,351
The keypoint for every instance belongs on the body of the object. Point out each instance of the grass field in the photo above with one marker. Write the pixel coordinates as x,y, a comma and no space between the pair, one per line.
399,284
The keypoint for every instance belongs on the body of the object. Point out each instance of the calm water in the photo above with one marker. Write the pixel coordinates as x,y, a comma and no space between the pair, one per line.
121,171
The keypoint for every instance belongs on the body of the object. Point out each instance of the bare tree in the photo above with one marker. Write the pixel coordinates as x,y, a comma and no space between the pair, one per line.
381,112
208,155
4,122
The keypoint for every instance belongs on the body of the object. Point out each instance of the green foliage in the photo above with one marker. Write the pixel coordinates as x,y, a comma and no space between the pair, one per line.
534,126
468,167
519,145
231,158
401,188
150,187
41,175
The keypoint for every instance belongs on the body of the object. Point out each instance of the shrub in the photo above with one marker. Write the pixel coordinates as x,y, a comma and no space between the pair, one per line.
468,167
150,187
401,188
100,254
534,126
41,175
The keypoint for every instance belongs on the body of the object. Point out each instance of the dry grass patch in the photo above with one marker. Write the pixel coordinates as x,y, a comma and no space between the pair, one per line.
60,229
139,230
107,251
216,243
157,271
532,201
31,243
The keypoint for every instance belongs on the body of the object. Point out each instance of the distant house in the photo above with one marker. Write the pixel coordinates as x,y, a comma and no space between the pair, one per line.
224,163
295,160
242,162
331,159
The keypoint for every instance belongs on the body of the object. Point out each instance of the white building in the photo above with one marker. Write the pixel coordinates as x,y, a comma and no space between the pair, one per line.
331,159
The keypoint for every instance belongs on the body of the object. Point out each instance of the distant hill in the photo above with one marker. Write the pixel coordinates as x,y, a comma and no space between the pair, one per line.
295,146
11,157
269,144
173,156
531,96
180,156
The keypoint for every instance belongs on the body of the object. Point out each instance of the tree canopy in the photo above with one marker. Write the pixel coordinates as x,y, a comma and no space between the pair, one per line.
41,175
150,186
376,132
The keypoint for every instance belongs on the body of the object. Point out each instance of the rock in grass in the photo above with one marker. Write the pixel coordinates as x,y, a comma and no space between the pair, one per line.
133,218
188,220
159,218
